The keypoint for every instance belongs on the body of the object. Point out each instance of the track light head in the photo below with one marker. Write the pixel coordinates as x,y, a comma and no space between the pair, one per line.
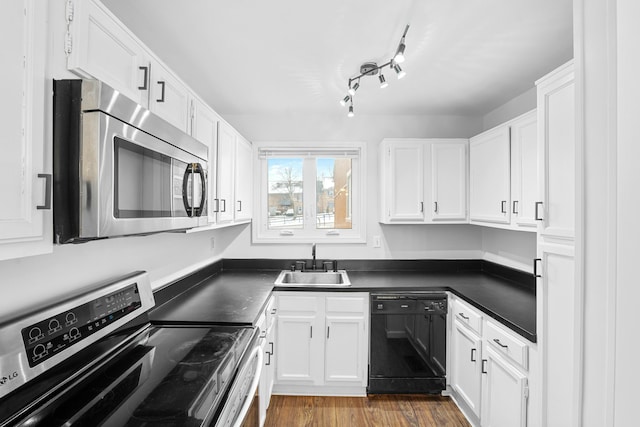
399,71
344,100
350,113
383,81
352,89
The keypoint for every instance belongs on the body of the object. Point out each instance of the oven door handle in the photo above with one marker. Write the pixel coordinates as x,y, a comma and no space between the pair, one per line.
257,351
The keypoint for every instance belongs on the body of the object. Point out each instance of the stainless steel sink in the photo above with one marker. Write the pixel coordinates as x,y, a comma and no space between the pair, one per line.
313,278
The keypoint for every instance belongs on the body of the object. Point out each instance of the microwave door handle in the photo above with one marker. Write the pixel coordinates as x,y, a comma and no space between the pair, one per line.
203,188
185,188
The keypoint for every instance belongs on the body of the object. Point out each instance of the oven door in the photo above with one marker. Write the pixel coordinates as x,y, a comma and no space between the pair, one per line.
242,405
137,183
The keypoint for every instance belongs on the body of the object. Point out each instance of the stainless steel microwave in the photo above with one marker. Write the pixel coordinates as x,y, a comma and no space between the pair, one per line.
119,169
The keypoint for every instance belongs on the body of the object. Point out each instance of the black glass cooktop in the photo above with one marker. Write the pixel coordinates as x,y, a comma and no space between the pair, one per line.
169,376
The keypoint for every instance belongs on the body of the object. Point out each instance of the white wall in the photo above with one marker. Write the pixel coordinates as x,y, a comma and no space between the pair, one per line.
515,249
521,104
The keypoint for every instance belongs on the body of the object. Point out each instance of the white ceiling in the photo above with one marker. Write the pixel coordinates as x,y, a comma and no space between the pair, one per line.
295,56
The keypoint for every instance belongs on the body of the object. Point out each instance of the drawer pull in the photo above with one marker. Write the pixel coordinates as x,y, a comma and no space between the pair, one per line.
404,306
497,341
461,314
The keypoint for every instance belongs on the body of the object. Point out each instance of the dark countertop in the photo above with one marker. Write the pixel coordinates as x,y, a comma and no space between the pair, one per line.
239,296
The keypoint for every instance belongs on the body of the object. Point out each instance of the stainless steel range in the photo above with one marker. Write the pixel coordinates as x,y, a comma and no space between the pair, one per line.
96,360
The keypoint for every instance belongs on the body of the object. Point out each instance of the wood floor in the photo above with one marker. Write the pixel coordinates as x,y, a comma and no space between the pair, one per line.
374,410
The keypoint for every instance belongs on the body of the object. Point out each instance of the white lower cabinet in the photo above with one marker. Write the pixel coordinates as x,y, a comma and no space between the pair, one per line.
321,341
267,341
490,370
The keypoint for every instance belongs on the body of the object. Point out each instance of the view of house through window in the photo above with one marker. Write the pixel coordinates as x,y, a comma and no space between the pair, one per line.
286,188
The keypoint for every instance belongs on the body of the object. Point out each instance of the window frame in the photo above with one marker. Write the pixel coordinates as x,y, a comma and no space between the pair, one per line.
309,151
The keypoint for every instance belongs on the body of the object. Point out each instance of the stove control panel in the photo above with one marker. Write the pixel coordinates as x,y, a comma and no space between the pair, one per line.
48,337
38,341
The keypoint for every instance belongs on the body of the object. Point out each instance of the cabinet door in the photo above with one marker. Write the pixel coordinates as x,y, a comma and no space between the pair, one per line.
204,126
243,179
226,172
344,349
559,331
524,171
465,369
299,355
489,176
449,180
404,181
168,97
104,49
25,219
556,125
504,393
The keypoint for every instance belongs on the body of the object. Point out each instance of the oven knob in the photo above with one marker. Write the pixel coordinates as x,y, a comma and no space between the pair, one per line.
39,351
54,326
71,318
35,334
74,334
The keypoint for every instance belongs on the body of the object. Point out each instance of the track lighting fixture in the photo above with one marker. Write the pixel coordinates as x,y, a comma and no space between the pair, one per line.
372,68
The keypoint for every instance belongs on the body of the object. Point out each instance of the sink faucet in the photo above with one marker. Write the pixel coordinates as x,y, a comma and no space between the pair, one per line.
313,256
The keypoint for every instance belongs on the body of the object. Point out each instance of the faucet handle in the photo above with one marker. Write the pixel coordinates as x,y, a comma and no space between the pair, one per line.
301,264
327,265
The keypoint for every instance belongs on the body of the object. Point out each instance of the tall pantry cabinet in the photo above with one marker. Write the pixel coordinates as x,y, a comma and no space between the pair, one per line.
559,296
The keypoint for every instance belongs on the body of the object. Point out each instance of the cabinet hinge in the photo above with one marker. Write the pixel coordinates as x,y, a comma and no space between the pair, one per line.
69,11
69,14
68,43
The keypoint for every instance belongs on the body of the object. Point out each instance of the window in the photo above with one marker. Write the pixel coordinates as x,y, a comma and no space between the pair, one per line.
309,194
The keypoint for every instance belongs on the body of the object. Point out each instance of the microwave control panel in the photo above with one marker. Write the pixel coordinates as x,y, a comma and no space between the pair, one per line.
46,338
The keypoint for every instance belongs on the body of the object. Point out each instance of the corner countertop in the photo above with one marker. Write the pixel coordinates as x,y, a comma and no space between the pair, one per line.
239,296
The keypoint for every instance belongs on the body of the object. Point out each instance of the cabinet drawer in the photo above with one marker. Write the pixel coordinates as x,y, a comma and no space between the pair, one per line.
507,344
297,303
468,316
345,305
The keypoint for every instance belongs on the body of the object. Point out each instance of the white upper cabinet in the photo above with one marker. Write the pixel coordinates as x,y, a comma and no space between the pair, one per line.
25,174
449,180
99,46
524,170
556,126
403,180
423,181
168,96
225,174
243,179
489,176
503,181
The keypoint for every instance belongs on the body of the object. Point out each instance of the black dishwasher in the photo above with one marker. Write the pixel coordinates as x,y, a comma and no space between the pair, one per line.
408,342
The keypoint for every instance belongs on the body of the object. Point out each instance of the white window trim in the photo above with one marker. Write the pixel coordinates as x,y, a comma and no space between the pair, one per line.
261,233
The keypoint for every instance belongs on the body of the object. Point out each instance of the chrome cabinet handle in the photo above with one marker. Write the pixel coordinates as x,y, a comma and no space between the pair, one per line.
268,359
271,344
497,341
421,206
327,332
47,191
461,314
473,355
162,85
145,79
503,206
310,331
484,364
224,205
515,207
435,207
239,205
274,311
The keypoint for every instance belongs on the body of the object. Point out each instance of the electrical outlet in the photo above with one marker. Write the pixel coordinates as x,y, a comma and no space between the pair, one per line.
213,242
376,241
